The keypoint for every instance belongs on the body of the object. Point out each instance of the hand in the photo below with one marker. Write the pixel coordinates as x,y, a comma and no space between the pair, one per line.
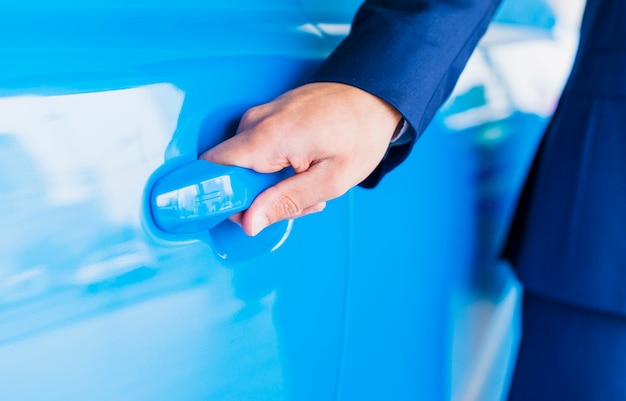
333,135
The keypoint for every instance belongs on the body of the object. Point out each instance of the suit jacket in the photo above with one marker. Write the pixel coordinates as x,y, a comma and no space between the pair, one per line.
409,53
568,239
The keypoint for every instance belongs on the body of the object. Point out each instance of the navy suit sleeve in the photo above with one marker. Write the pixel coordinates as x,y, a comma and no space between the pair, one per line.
409,53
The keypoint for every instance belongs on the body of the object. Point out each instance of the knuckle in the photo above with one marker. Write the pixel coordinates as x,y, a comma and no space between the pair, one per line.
268,125
286,205
251,114
278,204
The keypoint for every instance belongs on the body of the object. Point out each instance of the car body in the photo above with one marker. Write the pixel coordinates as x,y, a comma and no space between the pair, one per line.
380,297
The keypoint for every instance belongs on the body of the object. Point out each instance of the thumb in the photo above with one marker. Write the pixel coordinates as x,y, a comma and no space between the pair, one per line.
295,196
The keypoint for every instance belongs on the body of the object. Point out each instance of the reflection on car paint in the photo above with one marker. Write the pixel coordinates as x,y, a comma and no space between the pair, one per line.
204,307
116,266
209,196
93,308
70,193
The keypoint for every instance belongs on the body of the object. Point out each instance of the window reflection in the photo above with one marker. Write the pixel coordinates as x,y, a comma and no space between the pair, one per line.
197,201
72,173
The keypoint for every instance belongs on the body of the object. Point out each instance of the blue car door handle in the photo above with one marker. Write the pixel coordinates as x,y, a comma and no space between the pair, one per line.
198,195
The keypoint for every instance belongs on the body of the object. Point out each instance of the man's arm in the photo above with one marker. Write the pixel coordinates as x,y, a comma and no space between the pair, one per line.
401,60
409,53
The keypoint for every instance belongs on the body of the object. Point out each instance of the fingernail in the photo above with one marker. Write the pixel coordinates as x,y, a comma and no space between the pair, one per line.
259,222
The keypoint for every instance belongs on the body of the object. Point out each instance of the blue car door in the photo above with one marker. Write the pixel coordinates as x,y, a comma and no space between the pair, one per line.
95,98
108,292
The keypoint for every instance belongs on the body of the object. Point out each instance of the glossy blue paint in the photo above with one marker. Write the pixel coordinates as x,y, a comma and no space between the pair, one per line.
98,104
198,195
93,307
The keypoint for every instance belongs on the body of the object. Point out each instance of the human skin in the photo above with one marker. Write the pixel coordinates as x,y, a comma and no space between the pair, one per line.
333,135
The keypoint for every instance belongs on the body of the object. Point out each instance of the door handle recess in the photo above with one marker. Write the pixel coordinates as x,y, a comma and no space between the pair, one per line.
196,196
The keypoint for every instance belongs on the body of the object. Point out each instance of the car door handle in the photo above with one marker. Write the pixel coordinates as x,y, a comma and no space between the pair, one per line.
197,195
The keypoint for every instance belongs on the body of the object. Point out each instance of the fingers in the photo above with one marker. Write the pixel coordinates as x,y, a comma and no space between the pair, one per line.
302,194
227,153
237,218
332,135
237,151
